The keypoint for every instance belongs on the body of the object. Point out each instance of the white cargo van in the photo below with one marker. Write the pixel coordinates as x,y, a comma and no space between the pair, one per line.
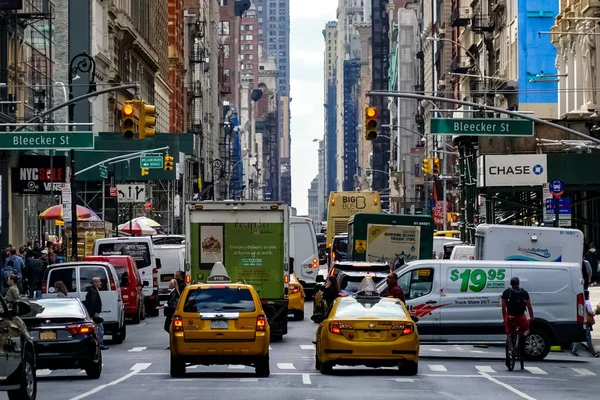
463,252
460,301
141,249
438,245
528,243
305,251
172,259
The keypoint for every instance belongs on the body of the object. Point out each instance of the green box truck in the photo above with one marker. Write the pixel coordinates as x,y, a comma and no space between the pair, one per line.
251,240
389,237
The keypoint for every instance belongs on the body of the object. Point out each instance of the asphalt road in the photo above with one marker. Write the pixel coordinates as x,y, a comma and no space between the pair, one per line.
139,369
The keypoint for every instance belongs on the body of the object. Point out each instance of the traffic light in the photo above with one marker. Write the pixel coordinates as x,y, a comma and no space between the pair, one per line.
145,171
436,166
168,163
147,121
371,123
128,120
426,166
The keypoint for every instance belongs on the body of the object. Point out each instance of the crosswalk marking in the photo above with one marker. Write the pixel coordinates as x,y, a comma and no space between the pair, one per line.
307,346
583,372
477,351
285,366
237,367
137,349
536,371
434,349
485,368
437,368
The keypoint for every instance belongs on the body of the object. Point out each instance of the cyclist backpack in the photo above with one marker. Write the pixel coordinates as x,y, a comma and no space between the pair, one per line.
515,303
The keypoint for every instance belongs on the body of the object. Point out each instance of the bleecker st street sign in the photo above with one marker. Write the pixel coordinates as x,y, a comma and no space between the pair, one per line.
481,127
45,140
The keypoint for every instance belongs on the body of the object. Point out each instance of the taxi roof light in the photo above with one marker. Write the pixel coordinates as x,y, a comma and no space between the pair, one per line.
367,288
218,274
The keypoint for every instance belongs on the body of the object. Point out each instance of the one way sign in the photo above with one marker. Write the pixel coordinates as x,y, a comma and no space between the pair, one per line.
132,193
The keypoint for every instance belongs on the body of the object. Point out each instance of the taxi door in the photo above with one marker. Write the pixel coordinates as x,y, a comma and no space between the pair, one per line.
421,286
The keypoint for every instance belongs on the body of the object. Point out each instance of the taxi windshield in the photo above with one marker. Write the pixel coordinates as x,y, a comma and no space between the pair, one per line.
357,308
218,300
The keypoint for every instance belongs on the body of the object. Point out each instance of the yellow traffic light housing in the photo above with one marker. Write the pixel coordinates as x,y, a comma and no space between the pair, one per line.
147,121
145,171
371,123
128,120
168,163
426,166
436,166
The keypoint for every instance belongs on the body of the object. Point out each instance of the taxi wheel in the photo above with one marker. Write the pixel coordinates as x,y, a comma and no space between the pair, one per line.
410,368
177,368
299,315
262,367
327,368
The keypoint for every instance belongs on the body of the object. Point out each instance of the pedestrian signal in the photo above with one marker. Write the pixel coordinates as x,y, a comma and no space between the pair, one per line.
371,123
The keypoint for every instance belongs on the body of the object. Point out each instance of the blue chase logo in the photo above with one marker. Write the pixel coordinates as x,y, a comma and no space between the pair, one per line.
538,169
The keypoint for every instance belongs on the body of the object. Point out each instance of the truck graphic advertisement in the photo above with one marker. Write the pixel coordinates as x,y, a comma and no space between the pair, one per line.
386,240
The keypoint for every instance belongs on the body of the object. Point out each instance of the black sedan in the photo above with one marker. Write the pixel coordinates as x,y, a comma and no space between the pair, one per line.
64,335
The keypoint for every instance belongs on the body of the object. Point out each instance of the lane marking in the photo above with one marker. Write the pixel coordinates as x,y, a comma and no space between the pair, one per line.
437,368
237,367
191,367
306,379
307,346
478,351
512,376
404,380
506,386
285,366
485,368
433,349
136,369
43,372
536,371
137,349
583,372
248,379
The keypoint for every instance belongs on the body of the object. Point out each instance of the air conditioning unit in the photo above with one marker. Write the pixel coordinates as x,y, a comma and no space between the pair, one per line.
442,32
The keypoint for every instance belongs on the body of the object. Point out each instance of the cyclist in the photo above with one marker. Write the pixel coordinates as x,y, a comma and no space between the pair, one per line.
514,302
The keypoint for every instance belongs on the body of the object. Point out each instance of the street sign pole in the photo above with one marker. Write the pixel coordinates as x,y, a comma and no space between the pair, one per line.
556,212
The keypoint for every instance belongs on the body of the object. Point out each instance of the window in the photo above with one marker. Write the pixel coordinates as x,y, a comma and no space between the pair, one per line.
65,275
361,308
416,283
250,56
249,37
260,20
138,250
219,300
56,309
86,274
260,31
260,8
226,74
249,27
224,28
226,50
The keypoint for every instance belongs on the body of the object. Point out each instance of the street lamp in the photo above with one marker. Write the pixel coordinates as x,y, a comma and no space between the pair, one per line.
439,39
84,63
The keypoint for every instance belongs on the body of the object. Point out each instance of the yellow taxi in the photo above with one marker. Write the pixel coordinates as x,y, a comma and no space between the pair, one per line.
219,322
365,329
296,298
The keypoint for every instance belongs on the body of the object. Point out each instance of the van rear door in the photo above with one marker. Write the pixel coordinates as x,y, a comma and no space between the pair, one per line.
304,250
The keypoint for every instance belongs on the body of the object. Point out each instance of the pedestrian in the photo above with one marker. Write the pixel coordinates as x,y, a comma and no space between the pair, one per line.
181,283
171,305
61,289
592,257
12,294
332,292
51,255
37,250
93,303
586,273
393,289
35,274
589,313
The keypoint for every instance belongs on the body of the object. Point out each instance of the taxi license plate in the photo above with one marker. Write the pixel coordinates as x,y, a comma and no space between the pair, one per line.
372,334
48,335
219,324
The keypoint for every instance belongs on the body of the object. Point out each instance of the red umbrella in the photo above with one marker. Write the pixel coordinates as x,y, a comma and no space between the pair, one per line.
55,213
138,227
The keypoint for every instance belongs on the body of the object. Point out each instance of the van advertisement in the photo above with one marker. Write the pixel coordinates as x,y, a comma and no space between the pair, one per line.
516,251
464,280
388,242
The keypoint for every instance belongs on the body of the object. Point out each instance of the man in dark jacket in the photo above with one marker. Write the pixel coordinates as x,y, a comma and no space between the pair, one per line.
180,276
592,257
393,289
93,303
34,272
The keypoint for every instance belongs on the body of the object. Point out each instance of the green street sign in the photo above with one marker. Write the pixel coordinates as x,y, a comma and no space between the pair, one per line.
45,140
152,162
103,172
481,127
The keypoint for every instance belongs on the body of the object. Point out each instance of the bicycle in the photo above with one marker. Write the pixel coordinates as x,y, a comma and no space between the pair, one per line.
515,346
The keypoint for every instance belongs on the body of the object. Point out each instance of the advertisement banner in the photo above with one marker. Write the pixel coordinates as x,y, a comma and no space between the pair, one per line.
389,242
512,170
516,251
37,175
438,212
211,245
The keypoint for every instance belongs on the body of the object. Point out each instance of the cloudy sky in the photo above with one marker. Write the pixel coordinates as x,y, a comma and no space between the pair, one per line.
308,19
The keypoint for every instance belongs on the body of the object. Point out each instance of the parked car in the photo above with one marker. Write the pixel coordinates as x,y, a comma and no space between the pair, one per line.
77,277
64,335
130,282
18,353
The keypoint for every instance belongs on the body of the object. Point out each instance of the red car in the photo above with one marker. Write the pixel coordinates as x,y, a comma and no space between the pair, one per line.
131,284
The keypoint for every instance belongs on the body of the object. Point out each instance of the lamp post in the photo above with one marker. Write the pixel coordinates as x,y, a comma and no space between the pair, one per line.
83,63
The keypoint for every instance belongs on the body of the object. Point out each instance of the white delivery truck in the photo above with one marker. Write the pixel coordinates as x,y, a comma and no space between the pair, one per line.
528,243
305,251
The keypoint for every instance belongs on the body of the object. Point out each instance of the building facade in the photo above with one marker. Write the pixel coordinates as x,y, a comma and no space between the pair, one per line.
176,66
330,110
313,201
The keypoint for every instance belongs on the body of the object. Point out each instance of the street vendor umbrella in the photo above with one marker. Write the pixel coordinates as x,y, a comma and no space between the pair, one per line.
93,217
150,222
134,227
55,213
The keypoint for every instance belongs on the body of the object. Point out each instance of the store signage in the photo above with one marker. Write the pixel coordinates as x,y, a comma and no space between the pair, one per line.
512,170
39,175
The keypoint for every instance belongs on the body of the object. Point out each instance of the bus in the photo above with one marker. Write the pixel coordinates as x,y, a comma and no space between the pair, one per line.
343,205
448,234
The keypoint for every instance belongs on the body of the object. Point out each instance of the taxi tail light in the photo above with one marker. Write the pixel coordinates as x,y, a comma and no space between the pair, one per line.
80,329
406,329
44,286
580,308
261,323
155,277
336,328
177,324
111,281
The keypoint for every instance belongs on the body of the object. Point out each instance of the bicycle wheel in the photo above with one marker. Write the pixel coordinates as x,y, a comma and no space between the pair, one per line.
521,340
510,353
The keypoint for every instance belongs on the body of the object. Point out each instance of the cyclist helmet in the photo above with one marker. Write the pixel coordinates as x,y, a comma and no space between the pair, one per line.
514,281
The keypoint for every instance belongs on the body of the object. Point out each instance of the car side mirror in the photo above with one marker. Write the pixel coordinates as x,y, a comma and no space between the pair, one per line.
146,283
320,279
20,308
414,318
158,263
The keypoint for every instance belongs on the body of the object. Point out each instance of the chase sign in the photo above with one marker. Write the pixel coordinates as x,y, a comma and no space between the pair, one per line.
512,170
